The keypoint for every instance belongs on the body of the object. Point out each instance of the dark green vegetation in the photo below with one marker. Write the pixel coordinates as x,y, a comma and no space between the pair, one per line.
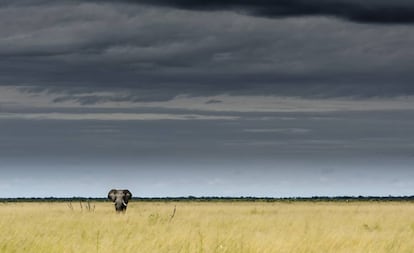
224,199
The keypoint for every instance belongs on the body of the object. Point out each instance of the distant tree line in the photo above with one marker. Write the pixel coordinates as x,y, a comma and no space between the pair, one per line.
222,199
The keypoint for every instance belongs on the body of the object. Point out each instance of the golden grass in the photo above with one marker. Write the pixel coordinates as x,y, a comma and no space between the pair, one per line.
209,227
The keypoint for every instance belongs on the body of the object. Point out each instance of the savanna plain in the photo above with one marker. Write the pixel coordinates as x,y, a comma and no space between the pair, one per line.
196,227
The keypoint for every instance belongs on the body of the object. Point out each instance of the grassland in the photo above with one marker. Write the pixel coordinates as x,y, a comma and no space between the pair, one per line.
209,227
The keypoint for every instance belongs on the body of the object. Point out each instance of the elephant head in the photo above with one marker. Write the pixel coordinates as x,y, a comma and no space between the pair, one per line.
120,199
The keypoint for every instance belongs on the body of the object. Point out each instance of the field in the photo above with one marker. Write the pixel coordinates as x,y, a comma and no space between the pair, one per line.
197,227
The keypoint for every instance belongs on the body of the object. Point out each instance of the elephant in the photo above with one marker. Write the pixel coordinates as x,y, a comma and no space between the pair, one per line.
120,199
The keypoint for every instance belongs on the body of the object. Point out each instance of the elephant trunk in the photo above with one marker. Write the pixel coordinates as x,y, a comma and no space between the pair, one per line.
120,206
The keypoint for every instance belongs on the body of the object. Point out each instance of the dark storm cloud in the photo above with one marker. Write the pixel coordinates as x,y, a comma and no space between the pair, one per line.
155,53
368,11
371,11
305,136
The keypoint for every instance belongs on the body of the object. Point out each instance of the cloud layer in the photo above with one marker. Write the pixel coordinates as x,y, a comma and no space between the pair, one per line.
368,11
156,53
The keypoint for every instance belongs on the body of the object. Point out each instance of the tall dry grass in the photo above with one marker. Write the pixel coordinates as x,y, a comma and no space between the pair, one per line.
208,227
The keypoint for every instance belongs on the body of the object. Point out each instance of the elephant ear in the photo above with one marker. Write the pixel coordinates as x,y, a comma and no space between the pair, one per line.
111,194
128,194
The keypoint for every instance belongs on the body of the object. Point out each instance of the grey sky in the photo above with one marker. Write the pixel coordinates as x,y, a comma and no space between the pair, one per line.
229,98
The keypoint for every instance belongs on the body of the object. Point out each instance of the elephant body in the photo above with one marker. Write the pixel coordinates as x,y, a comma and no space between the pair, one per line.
120,199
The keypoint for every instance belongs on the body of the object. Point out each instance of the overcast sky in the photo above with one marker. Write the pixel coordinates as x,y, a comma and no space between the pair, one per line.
206,98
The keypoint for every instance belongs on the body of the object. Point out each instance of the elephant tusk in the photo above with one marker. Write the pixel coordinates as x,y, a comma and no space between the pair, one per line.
125,204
